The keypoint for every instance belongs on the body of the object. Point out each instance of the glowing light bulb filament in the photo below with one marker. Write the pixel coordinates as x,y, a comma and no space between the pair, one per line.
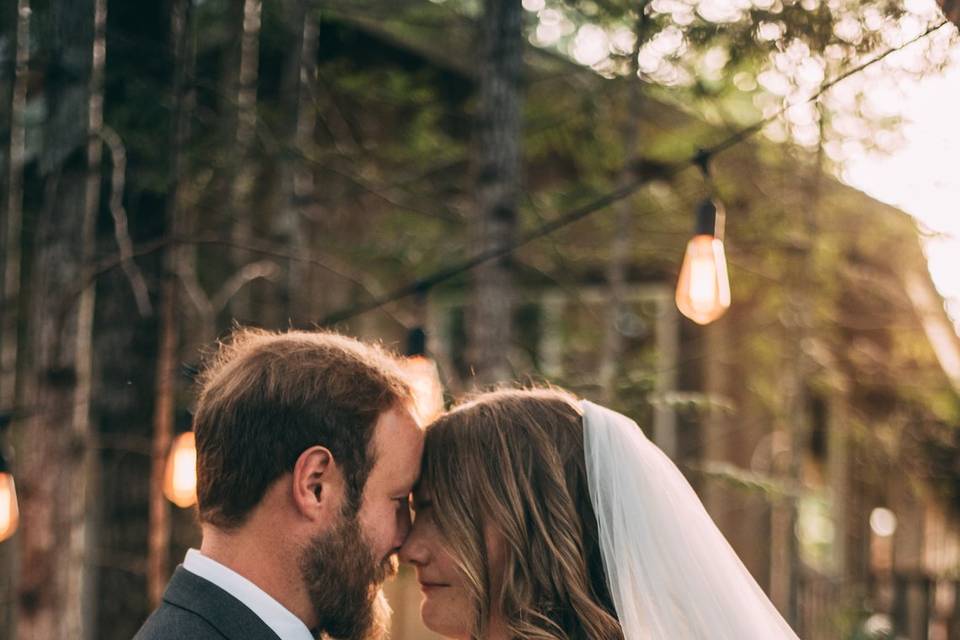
180,479
703,290
9,509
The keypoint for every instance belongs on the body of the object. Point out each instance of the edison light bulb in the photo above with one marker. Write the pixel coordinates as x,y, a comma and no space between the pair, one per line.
180,478
427,391
9,509
703,290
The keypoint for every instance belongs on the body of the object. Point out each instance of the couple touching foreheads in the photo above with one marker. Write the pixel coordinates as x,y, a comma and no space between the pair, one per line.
535,514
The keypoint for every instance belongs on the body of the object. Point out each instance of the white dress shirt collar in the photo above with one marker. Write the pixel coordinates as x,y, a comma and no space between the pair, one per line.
284,623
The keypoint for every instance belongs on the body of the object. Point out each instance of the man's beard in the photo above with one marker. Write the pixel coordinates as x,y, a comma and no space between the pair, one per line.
344,582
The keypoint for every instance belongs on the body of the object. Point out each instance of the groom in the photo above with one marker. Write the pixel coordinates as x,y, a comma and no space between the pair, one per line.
306,454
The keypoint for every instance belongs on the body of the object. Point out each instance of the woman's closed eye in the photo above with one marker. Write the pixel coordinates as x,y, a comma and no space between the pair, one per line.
421,509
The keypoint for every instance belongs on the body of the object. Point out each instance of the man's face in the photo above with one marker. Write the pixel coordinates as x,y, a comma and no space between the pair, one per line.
345,567
385,508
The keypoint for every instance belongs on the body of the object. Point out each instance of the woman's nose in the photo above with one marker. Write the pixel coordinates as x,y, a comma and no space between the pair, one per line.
414,551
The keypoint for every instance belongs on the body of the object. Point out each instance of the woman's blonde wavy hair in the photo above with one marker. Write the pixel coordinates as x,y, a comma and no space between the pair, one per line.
513,460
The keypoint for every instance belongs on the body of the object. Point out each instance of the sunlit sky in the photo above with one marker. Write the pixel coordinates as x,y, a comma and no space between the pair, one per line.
921,176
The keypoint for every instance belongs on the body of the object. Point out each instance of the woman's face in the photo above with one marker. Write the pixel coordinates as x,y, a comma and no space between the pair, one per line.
446,608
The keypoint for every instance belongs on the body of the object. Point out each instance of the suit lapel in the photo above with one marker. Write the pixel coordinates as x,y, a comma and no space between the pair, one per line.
227,614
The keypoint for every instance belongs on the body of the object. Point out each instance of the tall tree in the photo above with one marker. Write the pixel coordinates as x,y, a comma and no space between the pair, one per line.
10,281
14,214
55,445
78,618
245,169
302,206
620,242
497,185
169,320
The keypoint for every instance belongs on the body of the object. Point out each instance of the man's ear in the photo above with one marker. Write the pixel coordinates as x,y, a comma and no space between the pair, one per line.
317,484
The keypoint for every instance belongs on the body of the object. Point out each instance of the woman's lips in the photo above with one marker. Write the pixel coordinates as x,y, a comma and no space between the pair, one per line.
427,587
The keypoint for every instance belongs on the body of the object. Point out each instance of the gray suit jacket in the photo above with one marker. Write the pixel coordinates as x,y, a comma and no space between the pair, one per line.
197,609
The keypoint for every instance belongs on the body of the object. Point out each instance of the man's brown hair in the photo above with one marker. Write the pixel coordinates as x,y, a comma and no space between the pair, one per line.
267,397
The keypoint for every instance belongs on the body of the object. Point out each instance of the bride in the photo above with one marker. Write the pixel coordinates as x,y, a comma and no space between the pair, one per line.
541,516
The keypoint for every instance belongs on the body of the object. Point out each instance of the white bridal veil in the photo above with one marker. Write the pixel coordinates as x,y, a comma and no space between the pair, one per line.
672,574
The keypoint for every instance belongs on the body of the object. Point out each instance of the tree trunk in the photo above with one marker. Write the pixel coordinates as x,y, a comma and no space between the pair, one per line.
56,442
14,216
622,239
168,318
286,300
78,618
498,183
798,370
163,424
302,205
951,10
10,282
245,171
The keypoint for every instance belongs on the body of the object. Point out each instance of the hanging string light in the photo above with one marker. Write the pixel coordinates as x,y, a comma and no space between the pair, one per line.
703,289
9,507
180,476
424,377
